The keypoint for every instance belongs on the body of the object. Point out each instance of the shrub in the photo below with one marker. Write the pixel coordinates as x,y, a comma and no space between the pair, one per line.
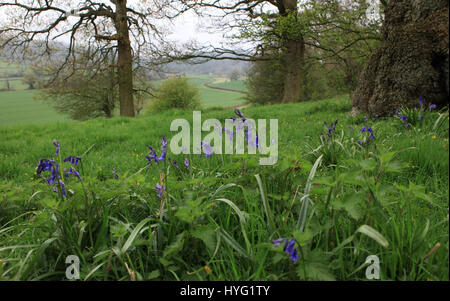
176,93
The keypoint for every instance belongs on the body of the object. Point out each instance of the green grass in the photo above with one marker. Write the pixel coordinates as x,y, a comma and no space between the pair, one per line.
19,107
216,214
238,85
215,98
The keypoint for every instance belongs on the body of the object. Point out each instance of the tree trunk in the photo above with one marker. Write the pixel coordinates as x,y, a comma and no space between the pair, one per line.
294,58
411,62
294,62
125,64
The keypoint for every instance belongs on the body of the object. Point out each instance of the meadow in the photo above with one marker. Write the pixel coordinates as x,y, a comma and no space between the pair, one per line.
19,106
338,194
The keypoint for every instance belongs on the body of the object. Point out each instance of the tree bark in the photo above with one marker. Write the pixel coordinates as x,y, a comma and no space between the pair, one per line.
294,59
125,61
411,62
294,62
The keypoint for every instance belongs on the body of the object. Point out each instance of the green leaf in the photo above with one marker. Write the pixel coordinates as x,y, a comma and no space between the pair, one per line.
351,203
316,267
133,235
374,234
395,166
176,246
207,234
386,157
233,243
368,164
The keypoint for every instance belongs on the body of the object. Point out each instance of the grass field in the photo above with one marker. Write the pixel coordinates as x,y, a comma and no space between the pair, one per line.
234,85
217,218
19,107
215,98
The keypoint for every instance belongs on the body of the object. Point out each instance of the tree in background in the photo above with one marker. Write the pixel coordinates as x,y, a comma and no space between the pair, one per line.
412,61
338,41
84,94
103,26
234,75
178,93
281,31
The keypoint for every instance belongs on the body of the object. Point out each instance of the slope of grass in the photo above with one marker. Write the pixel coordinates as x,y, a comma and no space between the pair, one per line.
19,107
216,213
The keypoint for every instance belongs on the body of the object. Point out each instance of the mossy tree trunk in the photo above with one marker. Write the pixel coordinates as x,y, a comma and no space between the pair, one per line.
412,61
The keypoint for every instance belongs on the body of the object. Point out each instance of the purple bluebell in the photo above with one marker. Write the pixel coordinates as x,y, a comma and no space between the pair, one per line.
56,143
421,101
289,247
115,176
174,163
74,172
73,160
207,149
160,189
432,107
154,156
186,162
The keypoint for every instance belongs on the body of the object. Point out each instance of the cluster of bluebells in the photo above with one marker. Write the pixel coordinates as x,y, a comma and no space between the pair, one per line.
207,149
370,137
154,156
55,179
239,127
422,110
289,247
331,128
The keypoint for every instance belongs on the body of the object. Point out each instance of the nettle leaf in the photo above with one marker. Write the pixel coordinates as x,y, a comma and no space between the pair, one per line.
303,237
328,181
175,246
315,267
192,210
386,157
353,178
352,203
368,164
395,166
207,234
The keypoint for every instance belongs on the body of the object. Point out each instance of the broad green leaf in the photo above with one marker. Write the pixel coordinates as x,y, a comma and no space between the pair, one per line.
374,234
133,235
207,234
175,246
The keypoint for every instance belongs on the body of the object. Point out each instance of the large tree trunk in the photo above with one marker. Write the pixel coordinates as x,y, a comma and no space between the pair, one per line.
294,59
294,62
411,62
125,64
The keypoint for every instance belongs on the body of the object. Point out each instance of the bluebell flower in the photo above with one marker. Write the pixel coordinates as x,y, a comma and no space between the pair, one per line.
186,162
289,247
115,176
160,189
421,101
432,107
73,160
207,149
154,156
239,113
405,120
56,143
74,172
174,163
